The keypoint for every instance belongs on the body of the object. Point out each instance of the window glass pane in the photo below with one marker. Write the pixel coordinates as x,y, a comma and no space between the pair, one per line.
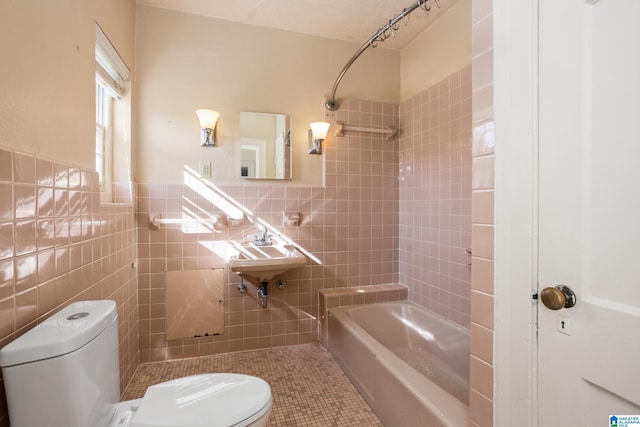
100,108
100,132
100,152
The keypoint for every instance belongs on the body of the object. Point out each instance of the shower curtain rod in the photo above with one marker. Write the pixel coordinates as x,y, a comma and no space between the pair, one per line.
380,36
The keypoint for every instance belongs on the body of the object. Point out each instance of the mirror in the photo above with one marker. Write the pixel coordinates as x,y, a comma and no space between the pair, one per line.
265,146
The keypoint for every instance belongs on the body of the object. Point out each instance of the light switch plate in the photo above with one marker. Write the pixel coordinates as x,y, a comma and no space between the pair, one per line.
205,169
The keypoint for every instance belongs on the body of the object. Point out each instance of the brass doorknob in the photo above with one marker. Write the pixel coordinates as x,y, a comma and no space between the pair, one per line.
559,297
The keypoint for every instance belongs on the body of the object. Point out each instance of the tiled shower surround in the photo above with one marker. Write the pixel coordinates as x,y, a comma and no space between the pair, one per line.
59,244
435,197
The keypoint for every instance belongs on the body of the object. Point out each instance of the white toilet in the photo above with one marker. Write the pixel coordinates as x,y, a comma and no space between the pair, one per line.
65,373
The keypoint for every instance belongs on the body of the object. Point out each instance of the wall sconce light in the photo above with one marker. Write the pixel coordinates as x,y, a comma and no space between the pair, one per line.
208,119
317,135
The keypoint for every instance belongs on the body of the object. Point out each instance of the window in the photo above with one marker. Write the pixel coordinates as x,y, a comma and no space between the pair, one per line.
111,75
101,131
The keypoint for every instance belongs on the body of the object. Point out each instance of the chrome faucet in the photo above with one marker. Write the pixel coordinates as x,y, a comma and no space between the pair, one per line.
262,238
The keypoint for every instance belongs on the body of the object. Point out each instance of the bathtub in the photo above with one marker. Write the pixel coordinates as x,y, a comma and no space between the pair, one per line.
410,365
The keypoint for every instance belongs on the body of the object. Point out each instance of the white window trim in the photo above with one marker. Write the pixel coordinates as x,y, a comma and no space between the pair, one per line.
111,71
111,75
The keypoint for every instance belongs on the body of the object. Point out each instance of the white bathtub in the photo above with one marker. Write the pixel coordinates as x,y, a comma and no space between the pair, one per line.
410,365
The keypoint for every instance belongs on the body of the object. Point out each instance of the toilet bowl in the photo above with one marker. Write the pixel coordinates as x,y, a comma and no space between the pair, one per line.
65,373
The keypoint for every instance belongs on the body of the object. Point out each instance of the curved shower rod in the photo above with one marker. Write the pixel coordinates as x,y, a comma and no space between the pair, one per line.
380,36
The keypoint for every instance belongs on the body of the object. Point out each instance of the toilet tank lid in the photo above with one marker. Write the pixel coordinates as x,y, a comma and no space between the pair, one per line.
64,332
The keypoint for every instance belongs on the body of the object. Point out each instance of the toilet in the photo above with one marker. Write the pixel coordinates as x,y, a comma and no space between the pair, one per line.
65,373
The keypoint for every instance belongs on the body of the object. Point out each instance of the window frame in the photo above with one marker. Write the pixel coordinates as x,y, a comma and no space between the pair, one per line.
111,74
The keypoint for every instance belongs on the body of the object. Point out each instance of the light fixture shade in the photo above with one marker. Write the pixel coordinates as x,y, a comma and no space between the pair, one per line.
319,129
317,135
208,118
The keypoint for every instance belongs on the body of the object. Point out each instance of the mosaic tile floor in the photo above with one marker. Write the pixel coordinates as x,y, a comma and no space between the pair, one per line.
308,387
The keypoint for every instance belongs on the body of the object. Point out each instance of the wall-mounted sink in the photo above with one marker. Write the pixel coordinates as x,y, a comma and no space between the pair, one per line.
265,262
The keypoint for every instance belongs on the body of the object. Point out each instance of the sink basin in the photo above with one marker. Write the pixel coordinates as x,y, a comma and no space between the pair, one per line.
265,262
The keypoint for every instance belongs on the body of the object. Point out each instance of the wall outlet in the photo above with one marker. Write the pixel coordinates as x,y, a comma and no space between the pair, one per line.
205,169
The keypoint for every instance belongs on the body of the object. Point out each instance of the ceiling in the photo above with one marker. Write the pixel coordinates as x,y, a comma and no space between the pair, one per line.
349,20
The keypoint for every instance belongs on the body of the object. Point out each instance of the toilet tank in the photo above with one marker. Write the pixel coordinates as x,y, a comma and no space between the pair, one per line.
65,371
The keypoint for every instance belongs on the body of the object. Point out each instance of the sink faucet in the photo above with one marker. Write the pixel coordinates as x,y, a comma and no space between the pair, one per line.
262,238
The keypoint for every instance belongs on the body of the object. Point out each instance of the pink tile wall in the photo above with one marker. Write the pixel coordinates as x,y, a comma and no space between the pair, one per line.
435,197
349,227
59,244
482,322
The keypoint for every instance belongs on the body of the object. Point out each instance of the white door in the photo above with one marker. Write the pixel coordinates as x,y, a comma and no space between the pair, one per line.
589,210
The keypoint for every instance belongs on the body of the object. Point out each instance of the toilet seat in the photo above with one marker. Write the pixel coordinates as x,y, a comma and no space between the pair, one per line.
203,400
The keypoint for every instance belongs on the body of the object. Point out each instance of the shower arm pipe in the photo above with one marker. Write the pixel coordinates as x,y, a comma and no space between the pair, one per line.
331,103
